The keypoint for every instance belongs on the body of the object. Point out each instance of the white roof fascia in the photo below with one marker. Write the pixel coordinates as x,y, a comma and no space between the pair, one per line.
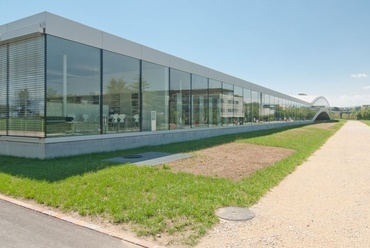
22,31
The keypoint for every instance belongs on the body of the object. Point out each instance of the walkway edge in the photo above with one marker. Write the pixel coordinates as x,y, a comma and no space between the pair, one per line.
132,240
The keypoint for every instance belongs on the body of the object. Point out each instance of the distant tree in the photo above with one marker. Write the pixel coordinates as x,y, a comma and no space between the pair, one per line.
51,93
24,101
135,85
114,90
3,110
116,86
365,113
356,115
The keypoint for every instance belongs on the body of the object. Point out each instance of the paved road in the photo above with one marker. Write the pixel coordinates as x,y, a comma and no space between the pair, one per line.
324,203
21,227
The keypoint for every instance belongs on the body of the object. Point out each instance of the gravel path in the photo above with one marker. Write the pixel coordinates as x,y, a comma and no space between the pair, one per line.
324,203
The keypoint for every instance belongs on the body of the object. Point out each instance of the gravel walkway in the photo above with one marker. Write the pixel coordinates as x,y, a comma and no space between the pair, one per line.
324,203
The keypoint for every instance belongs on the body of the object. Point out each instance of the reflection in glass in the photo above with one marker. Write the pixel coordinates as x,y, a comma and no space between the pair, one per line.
3,89
301,112
272,108
214,102
255,106
73,88
155,97
128,95
121,93
290,110
265,107
247,100
286,110
238,106
26,87
199,92
278,109
227,106
179,99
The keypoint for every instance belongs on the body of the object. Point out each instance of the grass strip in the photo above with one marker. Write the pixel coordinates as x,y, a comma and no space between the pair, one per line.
155,200
367,122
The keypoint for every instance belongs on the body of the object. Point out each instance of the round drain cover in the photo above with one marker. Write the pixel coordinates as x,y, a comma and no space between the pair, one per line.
234,214
132,156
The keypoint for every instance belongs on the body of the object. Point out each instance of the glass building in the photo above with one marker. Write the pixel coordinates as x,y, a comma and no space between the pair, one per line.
63,82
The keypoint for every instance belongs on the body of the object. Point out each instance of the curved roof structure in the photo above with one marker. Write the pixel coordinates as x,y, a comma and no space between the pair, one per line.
319,102
314,100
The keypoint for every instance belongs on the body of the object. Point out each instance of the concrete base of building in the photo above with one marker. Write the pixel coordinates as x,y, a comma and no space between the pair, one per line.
44,148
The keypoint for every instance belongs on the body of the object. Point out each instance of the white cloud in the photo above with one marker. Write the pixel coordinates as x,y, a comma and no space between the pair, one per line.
360,75
367,87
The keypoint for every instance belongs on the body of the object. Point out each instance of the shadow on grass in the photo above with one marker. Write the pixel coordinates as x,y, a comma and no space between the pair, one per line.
52,170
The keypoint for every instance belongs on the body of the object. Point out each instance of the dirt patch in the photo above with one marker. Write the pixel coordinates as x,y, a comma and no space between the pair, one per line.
325,125
232,161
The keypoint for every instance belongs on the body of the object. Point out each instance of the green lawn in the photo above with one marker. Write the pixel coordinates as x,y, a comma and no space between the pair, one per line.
367,122
155,200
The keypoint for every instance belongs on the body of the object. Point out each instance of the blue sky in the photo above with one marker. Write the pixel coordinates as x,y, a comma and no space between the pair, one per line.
319,47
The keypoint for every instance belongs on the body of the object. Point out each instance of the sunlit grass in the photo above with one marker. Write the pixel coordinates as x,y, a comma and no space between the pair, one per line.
367,122
153,199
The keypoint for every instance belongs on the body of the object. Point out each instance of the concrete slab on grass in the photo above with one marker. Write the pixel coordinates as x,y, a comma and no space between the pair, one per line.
234,214
150,158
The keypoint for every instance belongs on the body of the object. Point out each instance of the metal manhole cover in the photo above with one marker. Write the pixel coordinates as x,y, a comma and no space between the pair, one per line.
132,156
235,214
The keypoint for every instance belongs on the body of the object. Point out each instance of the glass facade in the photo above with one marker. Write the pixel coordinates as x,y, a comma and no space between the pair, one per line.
179,99
227,104
199,102
256,106
155,94
50,87
121,93
247,103
22,88
72,88
3,90
214,102
238,106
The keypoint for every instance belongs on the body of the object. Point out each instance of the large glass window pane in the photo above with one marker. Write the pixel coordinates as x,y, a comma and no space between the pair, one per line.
309,112
293,110
278,109
73,88
238,105
285,115
3,89
214,101
300,115
199,101
121,93
155,97
26,87
290,110
272,108
296,112
265,107
255,106
227,106
247,99
179,99
286,110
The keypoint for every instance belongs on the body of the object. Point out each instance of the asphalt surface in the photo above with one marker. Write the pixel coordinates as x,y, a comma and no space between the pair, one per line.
21,227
